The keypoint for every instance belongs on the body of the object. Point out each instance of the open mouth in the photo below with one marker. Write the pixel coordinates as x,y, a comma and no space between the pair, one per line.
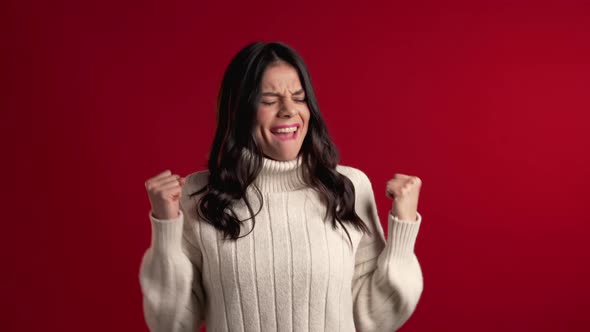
287,133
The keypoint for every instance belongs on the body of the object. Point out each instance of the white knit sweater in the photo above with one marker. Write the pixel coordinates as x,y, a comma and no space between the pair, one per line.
293,272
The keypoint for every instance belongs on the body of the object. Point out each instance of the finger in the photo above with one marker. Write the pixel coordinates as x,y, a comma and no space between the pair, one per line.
395,197
162,175
401,176
181,180
416,180
400,187
170,184
155,179
395,185
388,194
170,189
413,183
165,180
170,179
410,181
392,192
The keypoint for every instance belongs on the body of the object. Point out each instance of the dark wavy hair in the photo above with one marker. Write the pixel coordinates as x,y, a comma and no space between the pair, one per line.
231,172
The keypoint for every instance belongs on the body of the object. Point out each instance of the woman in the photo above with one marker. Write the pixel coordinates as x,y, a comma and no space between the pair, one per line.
276,235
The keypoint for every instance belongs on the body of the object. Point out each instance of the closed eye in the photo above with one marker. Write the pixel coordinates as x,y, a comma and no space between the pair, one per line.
273,102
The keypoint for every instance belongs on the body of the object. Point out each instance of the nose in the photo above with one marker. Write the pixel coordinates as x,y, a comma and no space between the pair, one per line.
288,109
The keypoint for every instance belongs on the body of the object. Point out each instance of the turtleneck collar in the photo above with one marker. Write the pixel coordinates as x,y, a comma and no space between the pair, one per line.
279,176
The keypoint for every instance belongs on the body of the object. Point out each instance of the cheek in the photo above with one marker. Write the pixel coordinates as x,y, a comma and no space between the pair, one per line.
261,122
262,118
306,113
258,131
306,117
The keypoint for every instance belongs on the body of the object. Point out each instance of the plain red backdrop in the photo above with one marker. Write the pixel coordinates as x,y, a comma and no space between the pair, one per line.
487,102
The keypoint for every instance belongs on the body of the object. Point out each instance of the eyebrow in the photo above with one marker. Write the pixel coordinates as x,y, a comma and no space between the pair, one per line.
275,94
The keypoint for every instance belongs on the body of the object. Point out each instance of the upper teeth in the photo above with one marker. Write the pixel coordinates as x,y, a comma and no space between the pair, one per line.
286,130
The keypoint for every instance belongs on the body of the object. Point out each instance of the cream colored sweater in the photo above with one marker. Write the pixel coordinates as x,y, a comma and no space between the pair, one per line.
294,272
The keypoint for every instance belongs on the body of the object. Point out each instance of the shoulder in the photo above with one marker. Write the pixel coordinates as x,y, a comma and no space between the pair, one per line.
194,183
359,179
363,190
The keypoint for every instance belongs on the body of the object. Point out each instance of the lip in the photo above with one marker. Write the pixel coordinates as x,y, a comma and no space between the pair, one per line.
287,138
286,126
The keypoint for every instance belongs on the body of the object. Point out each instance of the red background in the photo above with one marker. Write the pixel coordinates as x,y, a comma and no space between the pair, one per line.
487,102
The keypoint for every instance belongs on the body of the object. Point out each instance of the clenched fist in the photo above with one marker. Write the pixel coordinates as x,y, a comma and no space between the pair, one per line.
164,192
404,190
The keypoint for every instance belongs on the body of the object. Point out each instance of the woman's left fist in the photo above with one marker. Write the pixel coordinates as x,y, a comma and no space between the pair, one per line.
404,190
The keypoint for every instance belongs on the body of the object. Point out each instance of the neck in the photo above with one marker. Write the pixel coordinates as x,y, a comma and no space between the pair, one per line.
279,175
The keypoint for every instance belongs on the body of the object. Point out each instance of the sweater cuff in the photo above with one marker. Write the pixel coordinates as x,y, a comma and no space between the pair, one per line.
167,233
402,236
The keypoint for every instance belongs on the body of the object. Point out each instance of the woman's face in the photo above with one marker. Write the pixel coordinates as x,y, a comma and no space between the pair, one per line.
282,117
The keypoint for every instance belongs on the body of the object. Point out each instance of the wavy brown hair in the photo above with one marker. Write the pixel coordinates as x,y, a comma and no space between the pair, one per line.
231,172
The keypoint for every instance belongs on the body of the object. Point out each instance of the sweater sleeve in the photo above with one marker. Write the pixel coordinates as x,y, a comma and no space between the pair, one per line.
387,281
170,276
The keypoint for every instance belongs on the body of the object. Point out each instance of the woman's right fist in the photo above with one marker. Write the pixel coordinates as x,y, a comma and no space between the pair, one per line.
164,191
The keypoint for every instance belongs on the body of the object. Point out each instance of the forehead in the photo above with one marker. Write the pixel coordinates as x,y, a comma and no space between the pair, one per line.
280,76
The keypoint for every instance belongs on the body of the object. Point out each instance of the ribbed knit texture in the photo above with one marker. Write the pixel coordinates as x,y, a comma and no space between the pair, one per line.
293,272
